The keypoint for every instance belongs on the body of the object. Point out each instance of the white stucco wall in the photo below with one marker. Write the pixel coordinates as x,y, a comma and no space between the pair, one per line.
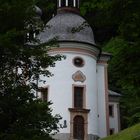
102,129
114,121
60,89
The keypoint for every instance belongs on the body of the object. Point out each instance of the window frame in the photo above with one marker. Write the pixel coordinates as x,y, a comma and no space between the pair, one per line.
76,65
43,90
111,110
83,97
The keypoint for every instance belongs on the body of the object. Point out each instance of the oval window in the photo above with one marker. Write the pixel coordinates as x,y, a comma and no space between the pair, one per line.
78,62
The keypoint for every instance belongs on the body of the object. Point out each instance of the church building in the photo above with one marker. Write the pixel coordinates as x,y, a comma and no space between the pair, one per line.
79,88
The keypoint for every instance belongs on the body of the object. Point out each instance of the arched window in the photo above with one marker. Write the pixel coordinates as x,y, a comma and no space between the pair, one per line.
70,3
78,128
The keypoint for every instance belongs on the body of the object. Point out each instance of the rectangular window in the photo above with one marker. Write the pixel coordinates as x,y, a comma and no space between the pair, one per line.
44,94
111,110
78,97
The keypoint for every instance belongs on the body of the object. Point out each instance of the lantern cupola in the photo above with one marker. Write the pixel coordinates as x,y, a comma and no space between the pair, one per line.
68,6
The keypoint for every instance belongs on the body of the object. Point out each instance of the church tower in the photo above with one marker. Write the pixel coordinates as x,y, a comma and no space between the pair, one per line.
79,87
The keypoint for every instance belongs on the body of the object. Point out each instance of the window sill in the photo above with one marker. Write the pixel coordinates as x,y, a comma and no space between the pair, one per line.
81,110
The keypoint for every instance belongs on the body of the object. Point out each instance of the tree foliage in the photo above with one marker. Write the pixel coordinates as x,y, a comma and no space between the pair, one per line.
117,30
116,27
22,115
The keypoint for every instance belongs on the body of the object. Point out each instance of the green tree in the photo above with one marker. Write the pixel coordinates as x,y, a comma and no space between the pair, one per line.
22,115
124,69
117,30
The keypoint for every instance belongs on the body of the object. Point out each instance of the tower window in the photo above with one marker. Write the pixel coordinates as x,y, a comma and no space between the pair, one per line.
63,3
78,128
44,94
111,110
31,35
77,3
78,97
70,3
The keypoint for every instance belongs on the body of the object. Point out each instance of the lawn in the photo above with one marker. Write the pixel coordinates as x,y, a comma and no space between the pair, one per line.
132,133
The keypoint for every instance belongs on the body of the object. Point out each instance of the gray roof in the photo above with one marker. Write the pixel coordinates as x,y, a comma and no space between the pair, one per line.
61,27
112,93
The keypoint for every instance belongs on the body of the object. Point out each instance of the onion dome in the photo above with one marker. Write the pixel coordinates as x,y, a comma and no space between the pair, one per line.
68,25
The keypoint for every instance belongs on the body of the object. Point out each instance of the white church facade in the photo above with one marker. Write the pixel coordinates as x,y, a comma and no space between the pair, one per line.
79,88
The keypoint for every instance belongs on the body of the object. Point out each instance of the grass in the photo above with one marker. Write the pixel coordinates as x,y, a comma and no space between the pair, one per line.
132,133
